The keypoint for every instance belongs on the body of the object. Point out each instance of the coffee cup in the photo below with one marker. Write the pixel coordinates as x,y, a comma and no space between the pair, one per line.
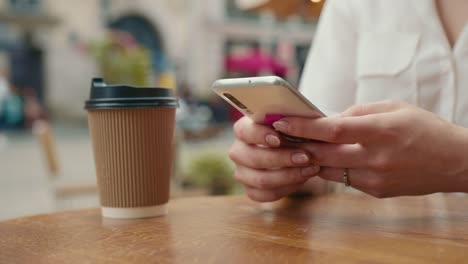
132,130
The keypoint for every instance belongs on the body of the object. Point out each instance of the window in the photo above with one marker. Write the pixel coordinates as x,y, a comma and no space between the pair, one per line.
25,6
235,12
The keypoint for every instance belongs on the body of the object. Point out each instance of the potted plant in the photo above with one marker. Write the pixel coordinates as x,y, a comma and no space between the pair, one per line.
213,171
121,59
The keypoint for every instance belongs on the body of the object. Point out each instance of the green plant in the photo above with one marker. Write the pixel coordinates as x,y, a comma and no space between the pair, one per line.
122,60
212,170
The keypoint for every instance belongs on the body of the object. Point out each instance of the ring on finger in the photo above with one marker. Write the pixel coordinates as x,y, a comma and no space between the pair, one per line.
346,177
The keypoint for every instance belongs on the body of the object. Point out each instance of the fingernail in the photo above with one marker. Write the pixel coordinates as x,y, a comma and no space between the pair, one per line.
281,125
310,171
300,158
272,140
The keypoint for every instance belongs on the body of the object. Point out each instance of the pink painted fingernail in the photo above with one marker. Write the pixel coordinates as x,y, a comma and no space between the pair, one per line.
281,125
300,158
272,140
310,171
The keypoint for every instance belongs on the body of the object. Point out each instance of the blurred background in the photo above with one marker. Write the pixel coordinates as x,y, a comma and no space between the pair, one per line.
50,50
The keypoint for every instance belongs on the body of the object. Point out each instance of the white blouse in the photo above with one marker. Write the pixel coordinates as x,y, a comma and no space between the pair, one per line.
372,50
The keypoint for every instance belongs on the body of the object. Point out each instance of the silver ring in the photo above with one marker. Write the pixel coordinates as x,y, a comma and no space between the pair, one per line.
346,177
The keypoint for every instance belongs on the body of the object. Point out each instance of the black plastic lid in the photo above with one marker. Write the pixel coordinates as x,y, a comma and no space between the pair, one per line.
105,96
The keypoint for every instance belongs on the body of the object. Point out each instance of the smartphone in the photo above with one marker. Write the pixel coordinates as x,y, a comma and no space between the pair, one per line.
266,99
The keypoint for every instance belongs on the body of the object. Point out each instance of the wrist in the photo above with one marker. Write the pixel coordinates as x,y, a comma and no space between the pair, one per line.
461,159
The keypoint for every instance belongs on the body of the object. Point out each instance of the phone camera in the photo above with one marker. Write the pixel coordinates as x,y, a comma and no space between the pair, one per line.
235,101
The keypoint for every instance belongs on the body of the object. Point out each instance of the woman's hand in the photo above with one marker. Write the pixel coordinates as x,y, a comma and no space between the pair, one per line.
268,171
390,148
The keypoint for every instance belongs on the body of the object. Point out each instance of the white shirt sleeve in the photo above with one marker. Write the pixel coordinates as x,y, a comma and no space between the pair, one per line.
328,79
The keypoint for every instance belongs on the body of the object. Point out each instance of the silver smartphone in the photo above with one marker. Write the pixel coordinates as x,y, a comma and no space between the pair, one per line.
266,99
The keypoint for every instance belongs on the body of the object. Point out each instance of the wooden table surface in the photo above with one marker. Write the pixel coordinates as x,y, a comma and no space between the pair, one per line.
345,228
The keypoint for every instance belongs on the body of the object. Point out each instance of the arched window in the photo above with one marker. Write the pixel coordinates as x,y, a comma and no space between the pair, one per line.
147,35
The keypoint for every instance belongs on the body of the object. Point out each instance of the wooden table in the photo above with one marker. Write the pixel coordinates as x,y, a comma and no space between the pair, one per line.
345,228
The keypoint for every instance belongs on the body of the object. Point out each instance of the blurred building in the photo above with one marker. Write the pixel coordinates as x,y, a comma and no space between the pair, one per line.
43,41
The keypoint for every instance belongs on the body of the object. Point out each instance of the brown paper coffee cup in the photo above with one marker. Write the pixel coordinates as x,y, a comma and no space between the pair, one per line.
133,154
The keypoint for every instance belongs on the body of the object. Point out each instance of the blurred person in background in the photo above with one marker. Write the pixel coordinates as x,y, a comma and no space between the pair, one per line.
412,52
3,86
4,90
192,117
220,111
12,110
32,107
